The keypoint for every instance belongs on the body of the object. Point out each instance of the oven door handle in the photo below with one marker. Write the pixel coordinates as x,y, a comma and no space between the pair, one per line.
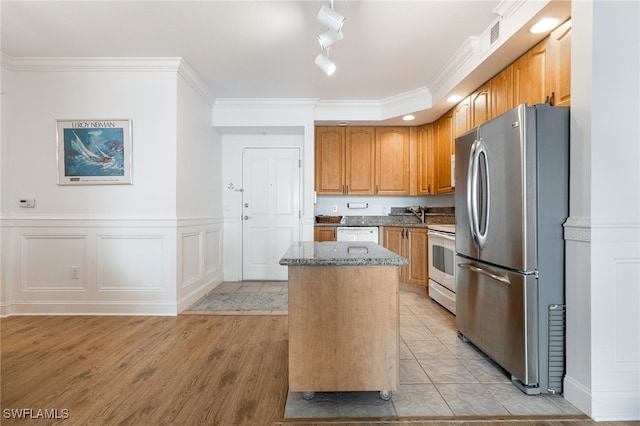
444,235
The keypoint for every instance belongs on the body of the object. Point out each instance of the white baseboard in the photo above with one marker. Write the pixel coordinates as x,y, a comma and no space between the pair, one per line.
198,293
577,394
91,308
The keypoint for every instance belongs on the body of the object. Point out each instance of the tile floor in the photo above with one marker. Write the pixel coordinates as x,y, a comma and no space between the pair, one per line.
439,374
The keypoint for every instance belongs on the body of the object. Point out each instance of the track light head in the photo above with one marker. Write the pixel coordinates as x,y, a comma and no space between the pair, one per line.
325,64
329,37
330,18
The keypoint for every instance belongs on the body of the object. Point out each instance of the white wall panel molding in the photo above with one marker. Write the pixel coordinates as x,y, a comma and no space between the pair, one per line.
87,222
131,262
577,229
200,267
53,262
589,229
199,222
213,252
191,258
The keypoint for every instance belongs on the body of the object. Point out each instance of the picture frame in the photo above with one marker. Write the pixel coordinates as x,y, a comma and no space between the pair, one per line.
94,152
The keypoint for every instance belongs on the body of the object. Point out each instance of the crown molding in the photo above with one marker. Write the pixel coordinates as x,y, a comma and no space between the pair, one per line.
190,76
95,64
375,110
507,8
462,57
269,103
111,64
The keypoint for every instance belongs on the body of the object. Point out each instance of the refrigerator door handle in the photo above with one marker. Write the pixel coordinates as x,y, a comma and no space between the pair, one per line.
482,170
486,273
472,212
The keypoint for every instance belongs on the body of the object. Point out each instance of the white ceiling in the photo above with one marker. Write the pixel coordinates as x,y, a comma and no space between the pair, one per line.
266,49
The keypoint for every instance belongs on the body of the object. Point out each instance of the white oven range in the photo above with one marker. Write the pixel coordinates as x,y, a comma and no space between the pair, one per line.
442,253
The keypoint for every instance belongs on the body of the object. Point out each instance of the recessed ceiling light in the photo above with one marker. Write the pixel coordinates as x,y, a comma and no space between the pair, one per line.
454,98
544,25
409,117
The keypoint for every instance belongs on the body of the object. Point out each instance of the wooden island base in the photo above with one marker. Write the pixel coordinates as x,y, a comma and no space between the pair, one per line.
343,328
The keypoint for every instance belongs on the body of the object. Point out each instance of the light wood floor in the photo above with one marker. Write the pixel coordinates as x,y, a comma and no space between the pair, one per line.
190,369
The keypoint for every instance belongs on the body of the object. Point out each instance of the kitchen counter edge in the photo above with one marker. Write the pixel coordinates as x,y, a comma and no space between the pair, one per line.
340,253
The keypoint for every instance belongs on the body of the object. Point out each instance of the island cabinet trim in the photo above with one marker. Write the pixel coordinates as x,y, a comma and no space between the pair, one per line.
343,328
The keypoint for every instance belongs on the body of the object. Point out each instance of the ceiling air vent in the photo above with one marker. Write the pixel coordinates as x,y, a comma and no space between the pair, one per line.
495,33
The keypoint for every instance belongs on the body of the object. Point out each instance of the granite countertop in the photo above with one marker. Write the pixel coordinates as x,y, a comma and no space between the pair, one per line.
407,220
340,253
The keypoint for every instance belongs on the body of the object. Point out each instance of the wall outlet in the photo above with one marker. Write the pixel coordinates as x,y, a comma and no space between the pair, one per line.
334,208
75,272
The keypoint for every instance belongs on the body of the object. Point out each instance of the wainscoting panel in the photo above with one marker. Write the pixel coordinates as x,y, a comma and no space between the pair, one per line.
603,317
191,258
199,259
85,266
130,262
213,251
53,262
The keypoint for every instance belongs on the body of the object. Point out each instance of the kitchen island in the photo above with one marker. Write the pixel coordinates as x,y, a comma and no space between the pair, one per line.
343,317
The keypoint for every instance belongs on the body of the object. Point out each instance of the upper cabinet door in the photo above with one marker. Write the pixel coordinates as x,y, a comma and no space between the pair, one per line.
392,160
360,160
531,75
444,143
502,92
329,160
560,48
426,154
462,117
481,104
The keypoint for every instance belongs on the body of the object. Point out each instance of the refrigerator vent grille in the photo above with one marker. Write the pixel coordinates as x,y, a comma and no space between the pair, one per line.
557,331
495,33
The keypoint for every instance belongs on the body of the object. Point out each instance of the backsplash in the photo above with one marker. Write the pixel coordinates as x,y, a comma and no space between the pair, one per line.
378,205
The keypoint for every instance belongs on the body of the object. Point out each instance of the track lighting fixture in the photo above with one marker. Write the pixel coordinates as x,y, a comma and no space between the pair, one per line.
330,18
334,21
325,64
329,37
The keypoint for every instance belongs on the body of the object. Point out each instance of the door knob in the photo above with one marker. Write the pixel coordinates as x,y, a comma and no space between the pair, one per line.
245,217
246,204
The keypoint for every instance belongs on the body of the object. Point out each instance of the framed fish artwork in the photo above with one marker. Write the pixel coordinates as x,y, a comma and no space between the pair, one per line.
94,152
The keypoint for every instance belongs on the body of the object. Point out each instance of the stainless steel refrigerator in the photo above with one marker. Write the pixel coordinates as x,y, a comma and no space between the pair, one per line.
512,198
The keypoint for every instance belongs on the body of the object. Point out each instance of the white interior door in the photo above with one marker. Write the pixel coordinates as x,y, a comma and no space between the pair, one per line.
271,210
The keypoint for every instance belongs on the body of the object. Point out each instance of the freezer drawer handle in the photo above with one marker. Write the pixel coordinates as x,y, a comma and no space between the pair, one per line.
486,273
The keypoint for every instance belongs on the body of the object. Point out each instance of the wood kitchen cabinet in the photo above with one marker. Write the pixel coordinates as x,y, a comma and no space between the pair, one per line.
360,161
502,92
324,233
560,54
462,117
345,161
330,160
413,244
392,160
480,102
543,74
531,75
425,159
444,148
